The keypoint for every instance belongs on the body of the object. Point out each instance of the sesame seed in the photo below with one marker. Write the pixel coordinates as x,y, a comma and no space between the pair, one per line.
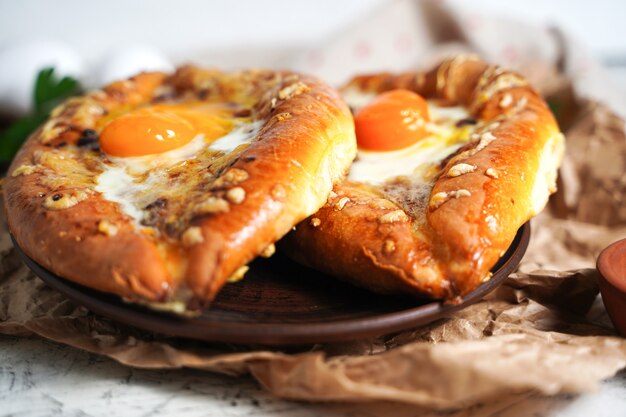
460,193
490,172
238,274
236,195
236,175
339,205
438,199
293,90
506,101
460,169
278,192
485,139
392,217
213,205
192,236
268,251
389,246
107,228
380,204
283,116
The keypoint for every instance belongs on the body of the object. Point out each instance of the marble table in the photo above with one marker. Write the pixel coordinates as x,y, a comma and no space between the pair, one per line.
43,378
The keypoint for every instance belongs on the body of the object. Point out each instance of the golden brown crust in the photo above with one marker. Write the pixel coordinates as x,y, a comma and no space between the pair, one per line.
262,190
482,195
362,237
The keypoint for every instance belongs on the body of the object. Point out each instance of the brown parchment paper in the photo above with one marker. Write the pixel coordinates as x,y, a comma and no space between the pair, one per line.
543,331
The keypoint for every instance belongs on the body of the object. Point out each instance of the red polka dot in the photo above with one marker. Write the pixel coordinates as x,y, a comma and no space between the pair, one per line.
474,23
315,58
362,50
403,42
510,54
583,64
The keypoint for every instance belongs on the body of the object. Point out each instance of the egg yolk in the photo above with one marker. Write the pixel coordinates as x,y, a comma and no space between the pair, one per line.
161,128
393,120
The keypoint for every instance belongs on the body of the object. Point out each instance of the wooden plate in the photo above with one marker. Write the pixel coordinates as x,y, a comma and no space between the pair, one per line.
282,303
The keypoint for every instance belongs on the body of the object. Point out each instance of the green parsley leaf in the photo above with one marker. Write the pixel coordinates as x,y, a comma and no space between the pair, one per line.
48,93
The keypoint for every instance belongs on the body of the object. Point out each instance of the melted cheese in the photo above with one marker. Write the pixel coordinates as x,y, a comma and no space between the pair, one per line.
406,176
243,135
135,182
417,160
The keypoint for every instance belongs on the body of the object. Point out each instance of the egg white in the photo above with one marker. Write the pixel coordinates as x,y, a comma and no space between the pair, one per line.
414,161
406,176
124,180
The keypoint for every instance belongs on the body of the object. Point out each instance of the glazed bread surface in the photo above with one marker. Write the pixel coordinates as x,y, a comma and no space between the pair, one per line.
440,238
213,213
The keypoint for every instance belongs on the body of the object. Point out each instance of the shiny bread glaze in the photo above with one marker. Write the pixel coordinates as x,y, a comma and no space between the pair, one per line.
231,209
479,198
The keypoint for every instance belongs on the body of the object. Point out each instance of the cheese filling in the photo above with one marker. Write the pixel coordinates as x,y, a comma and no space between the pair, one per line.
136,182
418,160
406,176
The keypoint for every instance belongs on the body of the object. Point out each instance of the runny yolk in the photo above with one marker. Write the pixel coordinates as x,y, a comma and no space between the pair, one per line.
161,128
394,120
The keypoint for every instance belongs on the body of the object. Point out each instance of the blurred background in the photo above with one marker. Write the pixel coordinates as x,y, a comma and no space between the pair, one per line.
98,42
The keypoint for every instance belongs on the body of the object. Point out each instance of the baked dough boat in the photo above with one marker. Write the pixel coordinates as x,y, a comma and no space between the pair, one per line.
163,187
432,219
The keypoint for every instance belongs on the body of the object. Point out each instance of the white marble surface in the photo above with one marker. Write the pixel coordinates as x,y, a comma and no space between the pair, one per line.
42,378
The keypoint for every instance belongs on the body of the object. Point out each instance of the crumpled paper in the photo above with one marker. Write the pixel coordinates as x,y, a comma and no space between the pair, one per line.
543,331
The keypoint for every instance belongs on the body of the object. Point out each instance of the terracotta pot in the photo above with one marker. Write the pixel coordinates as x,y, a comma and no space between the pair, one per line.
612,268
